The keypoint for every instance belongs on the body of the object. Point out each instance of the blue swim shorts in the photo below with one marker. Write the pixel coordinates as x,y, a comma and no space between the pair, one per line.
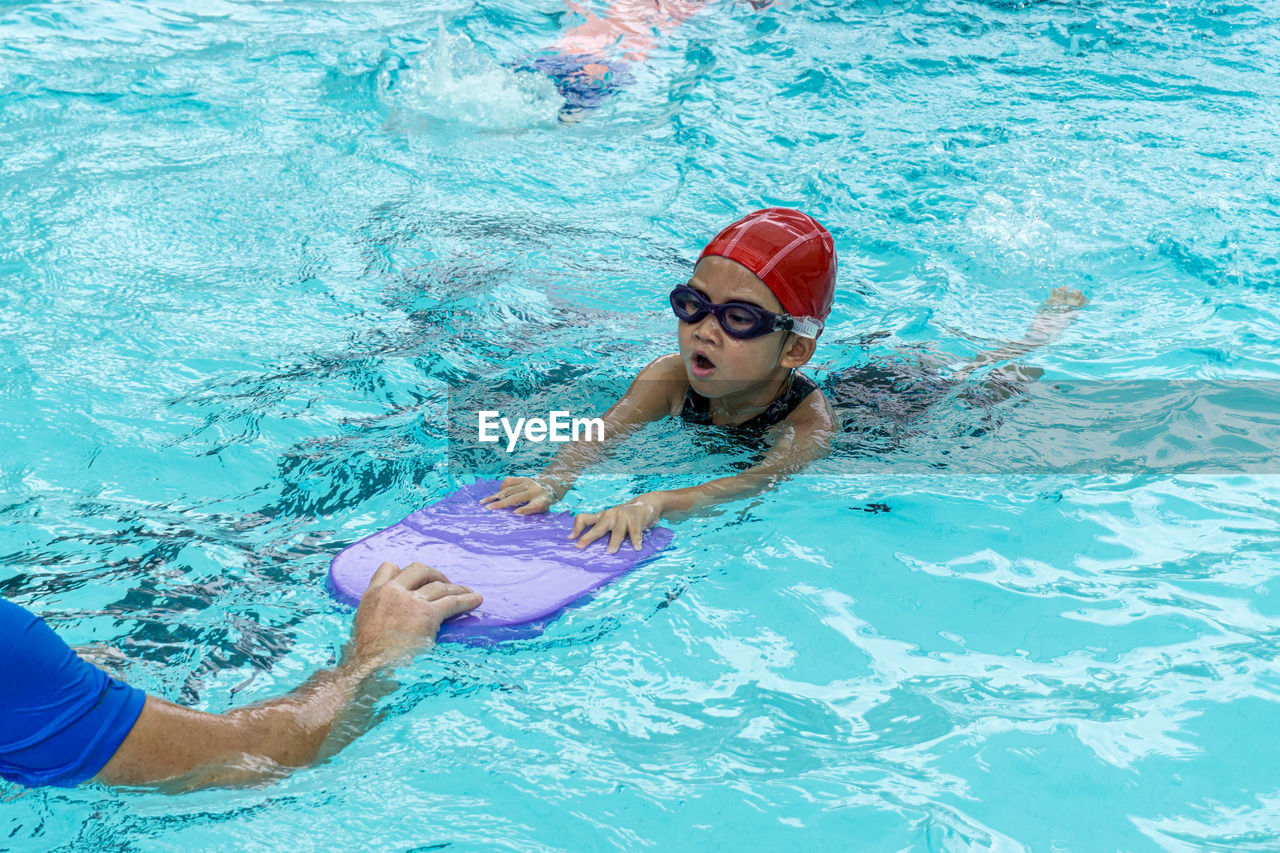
580,89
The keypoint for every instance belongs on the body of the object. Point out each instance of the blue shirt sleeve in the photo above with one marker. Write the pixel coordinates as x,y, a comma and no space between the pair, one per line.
61,719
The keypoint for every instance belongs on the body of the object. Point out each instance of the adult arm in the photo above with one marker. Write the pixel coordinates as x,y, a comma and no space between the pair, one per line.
399,614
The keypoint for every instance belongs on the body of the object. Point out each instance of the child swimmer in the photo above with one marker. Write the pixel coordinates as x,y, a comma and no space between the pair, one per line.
748,318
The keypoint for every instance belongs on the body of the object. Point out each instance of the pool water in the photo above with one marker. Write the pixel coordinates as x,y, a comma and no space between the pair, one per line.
256,256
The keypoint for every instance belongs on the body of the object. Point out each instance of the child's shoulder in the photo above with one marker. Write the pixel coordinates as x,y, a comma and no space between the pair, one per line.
805,401
669,368
659,388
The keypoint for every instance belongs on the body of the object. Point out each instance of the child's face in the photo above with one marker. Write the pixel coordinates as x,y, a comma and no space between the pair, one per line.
720,366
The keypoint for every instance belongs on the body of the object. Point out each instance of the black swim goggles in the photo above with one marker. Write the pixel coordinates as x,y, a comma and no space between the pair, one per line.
740,320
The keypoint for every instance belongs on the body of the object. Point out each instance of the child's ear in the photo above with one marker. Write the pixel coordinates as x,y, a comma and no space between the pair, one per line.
797,351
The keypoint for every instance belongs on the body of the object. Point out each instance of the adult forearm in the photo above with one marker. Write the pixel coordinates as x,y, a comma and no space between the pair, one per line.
181,748
291,731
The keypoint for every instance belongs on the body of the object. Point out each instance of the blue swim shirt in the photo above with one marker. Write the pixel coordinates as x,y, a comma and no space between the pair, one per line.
61,719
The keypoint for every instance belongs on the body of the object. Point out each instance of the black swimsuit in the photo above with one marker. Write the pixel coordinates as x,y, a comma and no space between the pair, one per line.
697,408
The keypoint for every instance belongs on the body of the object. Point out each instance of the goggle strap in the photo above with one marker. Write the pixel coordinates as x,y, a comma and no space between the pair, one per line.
806,327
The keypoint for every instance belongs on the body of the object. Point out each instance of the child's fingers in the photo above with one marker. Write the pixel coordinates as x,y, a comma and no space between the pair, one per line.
508,499
532,507
637,537
597,530
1065,296
513,491
509,487
580,523
617,537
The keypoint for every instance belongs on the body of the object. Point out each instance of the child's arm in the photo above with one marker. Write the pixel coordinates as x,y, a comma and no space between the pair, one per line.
805,436
657,391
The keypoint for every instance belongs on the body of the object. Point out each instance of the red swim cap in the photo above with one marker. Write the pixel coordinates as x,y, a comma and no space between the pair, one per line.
790,252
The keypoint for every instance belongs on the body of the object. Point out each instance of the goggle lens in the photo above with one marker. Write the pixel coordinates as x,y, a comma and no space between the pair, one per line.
738,319
687,305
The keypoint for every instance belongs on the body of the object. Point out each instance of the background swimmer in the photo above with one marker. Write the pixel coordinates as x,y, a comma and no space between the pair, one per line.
590,61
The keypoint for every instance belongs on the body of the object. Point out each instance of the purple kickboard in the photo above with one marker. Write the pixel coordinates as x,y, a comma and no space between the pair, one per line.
526,567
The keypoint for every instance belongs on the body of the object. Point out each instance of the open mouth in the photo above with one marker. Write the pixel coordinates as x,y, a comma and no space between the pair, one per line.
701,364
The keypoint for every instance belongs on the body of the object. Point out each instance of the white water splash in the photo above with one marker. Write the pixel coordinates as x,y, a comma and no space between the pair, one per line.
453,82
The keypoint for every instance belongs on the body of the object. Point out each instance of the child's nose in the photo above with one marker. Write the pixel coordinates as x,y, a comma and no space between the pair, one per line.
707,328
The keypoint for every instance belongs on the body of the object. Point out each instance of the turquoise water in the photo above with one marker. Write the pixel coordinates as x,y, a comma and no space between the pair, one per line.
255,252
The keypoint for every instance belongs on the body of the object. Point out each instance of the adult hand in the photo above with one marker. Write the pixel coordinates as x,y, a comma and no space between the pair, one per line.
515,491
401,611
630,519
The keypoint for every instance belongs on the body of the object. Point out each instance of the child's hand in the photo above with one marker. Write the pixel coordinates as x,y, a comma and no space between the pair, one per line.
521,490
1063,298
631,519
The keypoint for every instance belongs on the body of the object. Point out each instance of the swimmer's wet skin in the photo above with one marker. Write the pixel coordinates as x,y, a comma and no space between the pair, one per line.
748,318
